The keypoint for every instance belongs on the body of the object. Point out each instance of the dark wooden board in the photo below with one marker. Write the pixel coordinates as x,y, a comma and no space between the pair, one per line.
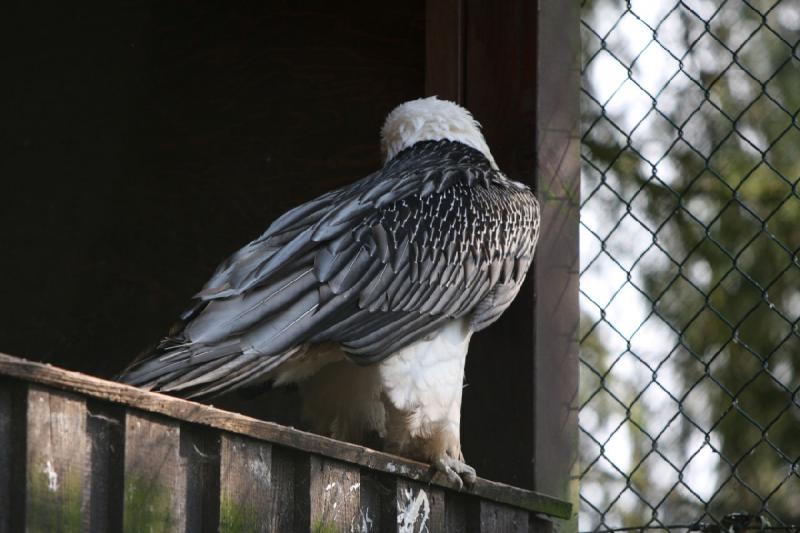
200,453
57,462
13,453
327,495
106,437
498,518
543,524
420,508
155,475
461,512
6,439
377,502
557,263
187,411
253,496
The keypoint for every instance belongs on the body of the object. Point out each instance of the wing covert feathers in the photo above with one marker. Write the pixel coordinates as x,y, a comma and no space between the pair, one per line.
436,234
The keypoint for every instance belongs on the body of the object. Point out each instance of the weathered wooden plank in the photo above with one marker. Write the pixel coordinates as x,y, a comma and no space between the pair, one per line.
461,512
420,508
57,455
6,460
377,503
106,461
542,524
200,453
299,440
557,262
155,475
498,518
256,494
13,454
327,495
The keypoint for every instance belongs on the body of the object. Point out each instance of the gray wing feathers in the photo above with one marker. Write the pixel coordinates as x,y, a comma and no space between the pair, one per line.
373,267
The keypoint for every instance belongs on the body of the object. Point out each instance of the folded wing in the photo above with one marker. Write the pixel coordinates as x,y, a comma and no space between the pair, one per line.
436,234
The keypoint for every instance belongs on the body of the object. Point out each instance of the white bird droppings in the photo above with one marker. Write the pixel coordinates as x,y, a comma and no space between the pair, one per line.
52,477
413,512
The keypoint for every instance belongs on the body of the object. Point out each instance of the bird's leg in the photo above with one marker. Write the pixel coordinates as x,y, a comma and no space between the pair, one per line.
445,454
437,443
445,446
422,396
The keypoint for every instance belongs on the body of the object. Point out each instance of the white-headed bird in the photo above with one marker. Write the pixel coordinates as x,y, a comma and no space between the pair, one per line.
367,296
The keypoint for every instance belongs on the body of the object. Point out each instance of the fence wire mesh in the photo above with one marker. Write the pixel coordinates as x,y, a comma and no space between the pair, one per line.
690,274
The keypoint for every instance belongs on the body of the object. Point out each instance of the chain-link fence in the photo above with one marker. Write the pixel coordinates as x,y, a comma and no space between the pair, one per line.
690,289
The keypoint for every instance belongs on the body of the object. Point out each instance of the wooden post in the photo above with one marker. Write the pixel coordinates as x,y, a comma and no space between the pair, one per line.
12,468
519,76
420,507
327,495
557,265
155,476
503,519
57,461
255,492
200,456
106,437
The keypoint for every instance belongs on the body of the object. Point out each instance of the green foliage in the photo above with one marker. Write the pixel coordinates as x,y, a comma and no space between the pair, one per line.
707,186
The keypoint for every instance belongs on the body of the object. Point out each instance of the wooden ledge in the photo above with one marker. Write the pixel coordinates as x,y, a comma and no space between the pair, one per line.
196,413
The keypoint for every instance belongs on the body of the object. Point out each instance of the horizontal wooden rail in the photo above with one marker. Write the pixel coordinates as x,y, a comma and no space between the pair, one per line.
102,453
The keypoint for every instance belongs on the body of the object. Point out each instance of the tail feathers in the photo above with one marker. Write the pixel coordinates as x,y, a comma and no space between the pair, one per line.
201,371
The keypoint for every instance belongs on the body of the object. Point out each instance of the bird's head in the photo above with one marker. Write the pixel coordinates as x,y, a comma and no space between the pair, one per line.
430,119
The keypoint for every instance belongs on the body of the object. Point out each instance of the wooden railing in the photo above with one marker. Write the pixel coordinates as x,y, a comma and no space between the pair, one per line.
78,453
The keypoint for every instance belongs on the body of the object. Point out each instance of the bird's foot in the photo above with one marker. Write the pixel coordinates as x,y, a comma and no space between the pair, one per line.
457,471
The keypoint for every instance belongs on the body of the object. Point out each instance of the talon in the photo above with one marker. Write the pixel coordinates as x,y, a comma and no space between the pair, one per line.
456,471
455,478
470,476
451,474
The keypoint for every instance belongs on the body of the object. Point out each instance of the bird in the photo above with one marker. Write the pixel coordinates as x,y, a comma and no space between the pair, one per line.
366,297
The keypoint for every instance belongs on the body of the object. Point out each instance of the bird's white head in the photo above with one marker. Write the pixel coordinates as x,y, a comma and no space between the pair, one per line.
430,119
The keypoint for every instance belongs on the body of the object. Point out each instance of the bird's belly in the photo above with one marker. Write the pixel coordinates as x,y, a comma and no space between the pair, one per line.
425,379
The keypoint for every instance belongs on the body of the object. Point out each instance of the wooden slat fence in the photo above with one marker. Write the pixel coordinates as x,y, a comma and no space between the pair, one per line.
79,453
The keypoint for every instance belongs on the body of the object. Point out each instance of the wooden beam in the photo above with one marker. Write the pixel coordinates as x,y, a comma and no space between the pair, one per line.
13,453
251,499
57,462
498,518
327,495
514,65
420,508
192,412
556,265
5,458
155,475
105,431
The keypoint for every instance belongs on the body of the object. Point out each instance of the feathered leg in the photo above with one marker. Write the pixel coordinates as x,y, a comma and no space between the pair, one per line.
422,387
